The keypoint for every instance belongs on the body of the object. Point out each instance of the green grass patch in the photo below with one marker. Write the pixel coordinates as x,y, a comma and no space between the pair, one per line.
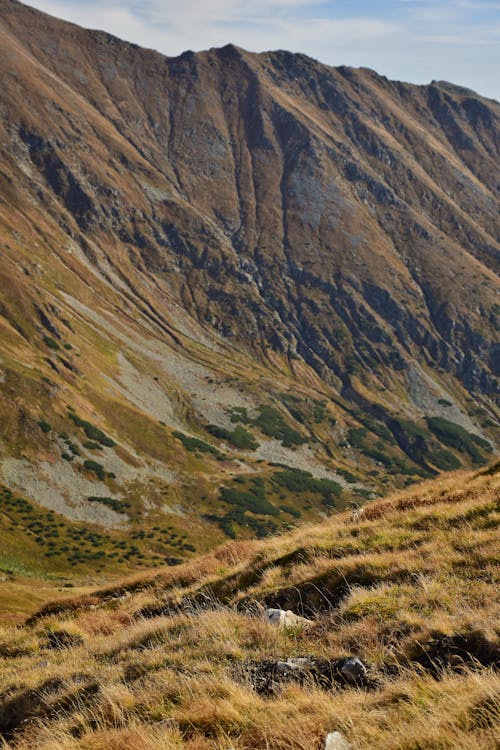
271,423
444,460
347,475
92,446
44,542
373,424
356,436
319,411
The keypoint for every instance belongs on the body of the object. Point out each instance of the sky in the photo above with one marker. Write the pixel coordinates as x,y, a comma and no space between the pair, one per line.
408,40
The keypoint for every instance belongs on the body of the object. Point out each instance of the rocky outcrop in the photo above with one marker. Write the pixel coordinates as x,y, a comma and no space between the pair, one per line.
268,677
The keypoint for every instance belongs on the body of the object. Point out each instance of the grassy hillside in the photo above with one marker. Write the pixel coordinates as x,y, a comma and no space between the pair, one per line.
183,657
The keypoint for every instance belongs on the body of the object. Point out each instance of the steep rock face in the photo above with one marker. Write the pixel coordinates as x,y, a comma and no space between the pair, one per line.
327,213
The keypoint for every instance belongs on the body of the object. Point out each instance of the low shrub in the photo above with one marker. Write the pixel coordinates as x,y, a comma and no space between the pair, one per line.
193,444
95,467
119,506
51,343
252,499
271,423
291,511
455,436
298,482
239,437
91,431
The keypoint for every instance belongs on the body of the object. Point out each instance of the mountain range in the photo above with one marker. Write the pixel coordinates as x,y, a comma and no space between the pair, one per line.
237,289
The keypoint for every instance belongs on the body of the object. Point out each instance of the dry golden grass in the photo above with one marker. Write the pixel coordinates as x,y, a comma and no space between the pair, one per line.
158,662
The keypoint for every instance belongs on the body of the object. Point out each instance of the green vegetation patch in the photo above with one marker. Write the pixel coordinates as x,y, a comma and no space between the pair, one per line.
272,424
239,414
397,465
348,475
290,510
92,446
98,469
445,460
319,412
455,436
373,424
46,540
91,431
252,499
356,436
298,482
193,444
239,437
119,506
51,343
72,447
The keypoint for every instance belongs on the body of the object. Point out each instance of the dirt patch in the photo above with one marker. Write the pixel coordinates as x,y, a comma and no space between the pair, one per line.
268,677
456,652
59,639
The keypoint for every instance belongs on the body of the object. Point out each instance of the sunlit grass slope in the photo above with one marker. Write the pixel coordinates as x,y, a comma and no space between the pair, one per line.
409,585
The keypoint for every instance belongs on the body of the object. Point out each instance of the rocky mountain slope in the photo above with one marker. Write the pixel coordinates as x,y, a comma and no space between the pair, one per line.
236,288
399,648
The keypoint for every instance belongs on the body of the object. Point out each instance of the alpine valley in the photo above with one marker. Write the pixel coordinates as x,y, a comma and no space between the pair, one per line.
237,290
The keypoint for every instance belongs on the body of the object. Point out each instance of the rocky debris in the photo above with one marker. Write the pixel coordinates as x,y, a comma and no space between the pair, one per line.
285,618
268,676
336,741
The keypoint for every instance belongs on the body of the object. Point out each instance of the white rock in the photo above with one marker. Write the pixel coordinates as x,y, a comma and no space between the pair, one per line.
336,741
284,618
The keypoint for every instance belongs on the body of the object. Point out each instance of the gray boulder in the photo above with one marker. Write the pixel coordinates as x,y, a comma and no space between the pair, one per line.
353,670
